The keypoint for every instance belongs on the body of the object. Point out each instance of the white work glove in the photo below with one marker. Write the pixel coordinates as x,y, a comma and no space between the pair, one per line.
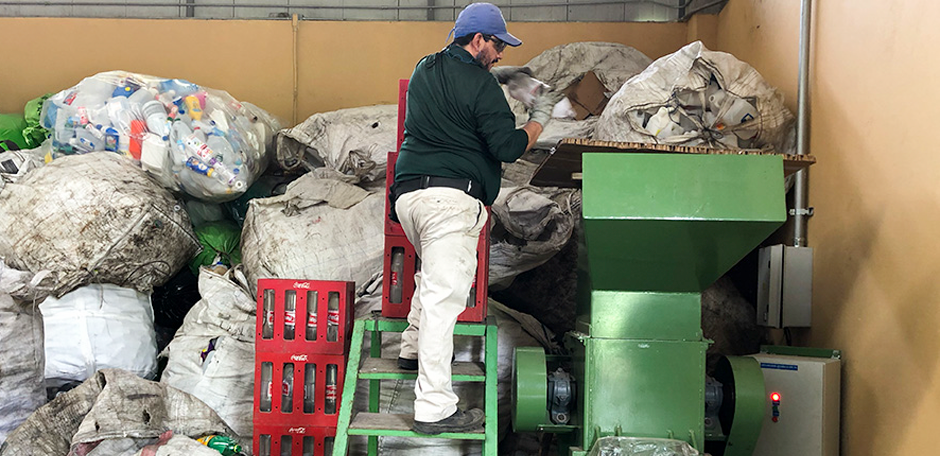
505,73
541,111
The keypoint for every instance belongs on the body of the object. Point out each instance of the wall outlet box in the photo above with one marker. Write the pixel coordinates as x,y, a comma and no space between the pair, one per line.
785,286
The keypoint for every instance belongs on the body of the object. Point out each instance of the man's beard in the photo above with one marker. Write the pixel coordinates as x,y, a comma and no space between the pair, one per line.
481,59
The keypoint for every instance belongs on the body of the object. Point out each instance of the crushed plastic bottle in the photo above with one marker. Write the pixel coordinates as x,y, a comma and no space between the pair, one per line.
226,446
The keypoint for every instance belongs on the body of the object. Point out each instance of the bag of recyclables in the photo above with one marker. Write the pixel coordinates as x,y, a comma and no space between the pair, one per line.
190,138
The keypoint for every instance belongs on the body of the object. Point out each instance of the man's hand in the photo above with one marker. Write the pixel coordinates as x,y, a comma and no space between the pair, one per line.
505,73
541,111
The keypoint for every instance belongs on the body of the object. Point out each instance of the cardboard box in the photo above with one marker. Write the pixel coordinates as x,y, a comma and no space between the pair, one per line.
587,96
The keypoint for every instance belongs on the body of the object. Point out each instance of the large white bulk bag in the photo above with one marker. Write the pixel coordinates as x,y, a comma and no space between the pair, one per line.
95,327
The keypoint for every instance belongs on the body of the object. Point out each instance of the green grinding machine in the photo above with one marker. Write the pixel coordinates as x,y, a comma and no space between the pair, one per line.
658,229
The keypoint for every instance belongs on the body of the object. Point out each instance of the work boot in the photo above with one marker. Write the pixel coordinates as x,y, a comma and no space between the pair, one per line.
407,364
412,364
460,421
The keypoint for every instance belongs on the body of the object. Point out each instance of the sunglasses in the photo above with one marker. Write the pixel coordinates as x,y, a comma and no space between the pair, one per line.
498,44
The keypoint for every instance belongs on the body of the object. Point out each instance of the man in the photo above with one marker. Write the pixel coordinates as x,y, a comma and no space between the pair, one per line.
458,130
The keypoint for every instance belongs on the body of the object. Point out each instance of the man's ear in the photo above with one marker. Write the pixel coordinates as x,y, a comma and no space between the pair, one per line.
478,40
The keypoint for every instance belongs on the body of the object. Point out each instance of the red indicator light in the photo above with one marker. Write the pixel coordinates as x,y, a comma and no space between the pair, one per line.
775,397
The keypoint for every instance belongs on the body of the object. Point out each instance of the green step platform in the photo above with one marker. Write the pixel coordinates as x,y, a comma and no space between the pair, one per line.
374,369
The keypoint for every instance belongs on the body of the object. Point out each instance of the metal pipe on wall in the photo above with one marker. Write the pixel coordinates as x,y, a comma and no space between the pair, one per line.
801,212
217,4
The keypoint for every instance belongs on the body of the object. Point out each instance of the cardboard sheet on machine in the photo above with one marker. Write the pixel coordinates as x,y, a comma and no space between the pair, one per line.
563,167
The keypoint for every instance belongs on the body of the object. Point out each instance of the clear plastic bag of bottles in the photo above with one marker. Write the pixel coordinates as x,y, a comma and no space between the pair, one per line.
641,446
191,138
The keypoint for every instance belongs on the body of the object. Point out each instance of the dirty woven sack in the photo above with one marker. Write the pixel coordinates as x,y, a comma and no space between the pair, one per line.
353,141
21,387
319,229
532,225
94,218
562,65
212,354
112,404
699,97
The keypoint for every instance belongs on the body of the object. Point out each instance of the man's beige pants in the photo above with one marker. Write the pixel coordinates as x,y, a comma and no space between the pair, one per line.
444,226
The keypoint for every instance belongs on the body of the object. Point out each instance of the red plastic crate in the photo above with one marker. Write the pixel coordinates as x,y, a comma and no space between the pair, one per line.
303,290
304,440
307,408
395,238
476,310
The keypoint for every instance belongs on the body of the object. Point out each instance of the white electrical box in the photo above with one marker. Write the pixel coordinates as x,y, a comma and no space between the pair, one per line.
802,405
785,286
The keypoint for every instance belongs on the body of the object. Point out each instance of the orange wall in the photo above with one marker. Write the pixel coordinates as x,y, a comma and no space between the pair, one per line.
249,59
338,64
877,198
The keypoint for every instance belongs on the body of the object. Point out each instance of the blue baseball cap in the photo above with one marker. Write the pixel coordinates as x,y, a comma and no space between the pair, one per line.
484,18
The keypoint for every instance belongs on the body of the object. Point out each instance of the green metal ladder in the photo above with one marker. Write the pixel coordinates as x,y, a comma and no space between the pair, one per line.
375,368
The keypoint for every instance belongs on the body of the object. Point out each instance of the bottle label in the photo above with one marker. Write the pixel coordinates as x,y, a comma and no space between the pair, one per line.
394,278
312,320
332,317
286,387
331,391
269,317
199,167
290,317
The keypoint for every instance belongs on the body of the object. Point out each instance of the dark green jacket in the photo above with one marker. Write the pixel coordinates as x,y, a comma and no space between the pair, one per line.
458,123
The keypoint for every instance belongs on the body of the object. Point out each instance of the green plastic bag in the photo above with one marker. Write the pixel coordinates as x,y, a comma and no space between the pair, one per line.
34,133
217,238
11,132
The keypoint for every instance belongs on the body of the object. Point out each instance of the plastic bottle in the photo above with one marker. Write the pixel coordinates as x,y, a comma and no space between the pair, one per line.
309,446
120,113
267,326
218,118
153,154
197,147
84,141
155,115
223,150
328,446
136,136
110,137
311,329
332,317
141,96
739,112
472,298
199,167
397,270
193,107
179,87
290,314
287,389
329,401
286,444
265,396
525,88
310,382
227,446
662,126
264,445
